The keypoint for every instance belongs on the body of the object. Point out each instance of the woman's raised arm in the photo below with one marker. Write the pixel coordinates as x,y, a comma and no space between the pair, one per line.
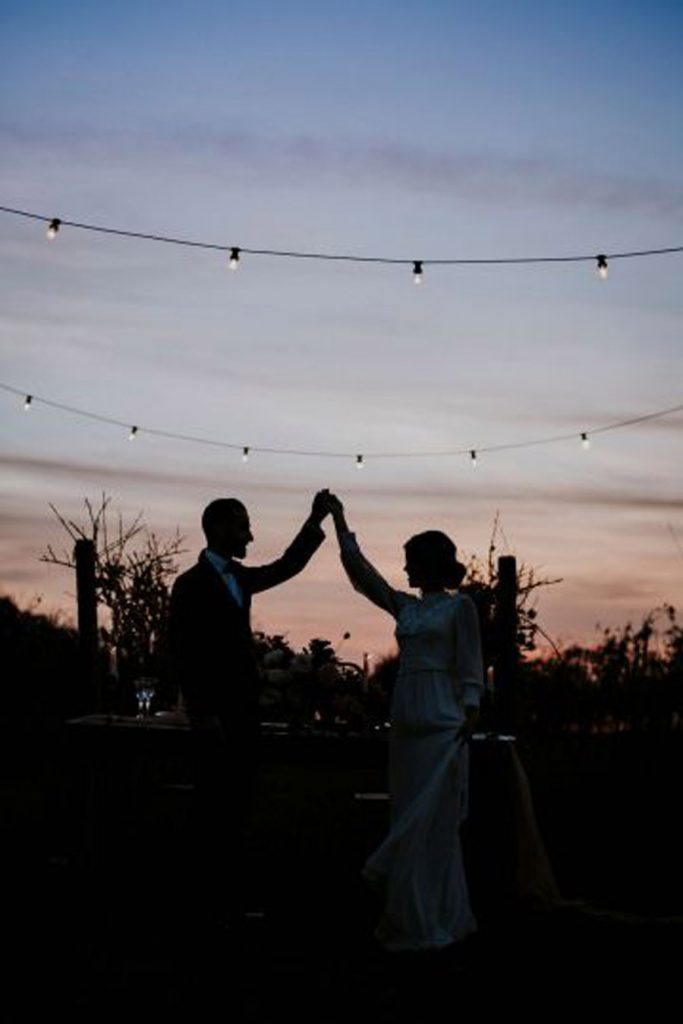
362,574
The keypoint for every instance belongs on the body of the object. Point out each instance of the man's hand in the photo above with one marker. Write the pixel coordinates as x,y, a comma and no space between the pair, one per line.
320,507
471,719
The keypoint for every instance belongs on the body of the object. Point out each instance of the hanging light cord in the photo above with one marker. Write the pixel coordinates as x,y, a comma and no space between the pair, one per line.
340,257
194,439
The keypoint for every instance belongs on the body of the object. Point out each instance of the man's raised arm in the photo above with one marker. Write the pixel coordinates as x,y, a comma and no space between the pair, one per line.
296,557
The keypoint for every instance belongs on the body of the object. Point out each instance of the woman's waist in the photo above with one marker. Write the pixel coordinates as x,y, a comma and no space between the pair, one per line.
423,666
435,707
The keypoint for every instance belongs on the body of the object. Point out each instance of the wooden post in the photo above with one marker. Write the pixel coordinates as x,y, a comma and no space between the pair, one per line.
84,554
506,662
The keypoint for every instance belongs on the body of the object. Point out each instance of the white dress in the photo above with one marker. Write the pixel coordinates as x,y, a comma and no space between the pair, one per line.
419,868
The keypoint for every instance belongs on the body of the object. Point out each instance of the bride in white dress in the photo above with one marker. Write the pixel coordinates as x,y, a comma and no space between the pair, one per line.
419,867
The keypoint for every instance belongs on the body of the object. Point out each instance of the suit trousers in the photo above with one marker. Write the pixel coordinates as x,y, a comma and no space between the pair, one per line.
225,772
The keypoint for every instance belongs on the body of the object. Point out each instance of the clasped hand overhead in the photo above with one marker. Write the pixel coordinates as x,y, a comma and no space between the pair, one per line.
326,503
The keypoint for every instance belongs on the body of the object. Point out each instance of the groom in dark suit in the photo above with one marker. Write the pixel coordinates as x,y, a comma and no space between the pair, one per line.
215,666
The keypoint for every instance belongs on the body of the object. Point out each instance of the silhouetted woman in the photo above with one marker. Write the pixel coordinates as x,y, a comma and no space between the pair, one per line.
419,868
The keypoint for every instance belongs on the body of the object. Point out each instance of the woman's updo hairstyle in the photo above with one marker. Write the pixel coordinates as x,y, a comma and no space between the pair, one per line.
436,554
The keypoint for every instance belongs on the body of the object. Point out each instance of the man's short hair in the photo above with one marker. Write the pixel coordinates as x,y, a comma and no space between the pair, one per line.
217,511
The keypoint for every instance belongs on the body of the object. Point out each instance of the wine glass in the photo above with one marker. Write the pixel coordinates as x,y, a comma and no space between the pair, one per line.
145,688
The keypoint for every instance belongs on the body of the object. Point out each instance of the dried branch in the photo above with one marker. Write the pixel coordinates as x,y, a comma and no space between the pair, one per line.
132,582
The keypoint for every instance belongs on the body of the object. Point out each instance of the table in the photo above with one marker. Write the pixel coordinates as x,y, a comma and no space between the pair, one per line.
132,780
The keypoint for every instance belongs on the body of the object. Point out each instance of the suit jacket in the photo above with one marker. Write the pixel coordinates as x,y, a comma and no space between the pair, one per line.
210,633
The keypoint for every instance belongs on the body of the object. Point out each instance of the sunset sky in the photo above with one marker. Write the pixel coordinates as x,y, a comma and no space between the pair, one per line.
417,131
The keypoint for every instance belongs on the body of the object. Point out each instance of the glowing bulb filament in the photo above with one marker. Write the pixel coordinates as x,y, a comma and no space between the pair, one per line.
473,459
245,454
359,462
234,258
27,402
417,271
585,441
602,267
133,433
53,228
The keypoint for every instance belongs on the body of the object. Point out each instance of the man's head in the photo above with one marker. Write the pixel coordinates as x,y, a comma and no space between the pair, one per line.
225,523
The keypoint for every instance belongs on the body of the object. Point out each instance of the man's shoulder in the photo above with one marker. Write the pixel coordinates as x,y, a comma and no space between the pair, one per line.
192,577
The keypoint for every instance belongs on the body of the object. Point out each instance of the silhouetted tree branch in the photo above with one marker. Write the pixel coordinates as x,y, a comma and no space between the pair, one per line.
133,570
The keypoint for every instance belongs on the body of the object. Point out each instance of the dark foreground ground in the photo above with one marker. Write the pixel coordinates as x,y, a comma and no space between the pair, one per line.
100,952
101,925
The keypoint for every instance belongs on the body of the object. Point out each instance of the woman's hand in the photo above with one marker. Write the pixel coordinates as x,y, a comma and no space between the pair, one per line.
334,505
336,509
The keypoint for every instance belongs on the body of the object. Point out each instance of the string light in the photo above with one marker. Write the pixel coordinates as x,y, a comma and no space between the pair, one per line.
473,459
27,402
585,441
55,223
602,267
245,454
133,433
215,443
417,271
234,260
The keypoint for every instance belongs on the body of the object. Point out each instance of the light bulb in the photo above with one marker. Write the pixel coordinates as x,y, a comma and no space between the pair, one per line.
359,462
602,267
585,441
473,459
417,271
133,433
234,258
53,228
27,402
245,454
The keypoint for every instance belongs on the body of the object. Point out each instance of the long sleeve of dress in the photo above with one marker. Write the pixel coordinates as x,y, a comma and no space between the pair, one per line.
365,578
469,672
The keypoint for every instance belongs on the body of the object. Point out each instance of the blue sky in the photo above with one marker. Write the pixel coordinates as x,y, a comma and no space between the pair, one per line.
416,131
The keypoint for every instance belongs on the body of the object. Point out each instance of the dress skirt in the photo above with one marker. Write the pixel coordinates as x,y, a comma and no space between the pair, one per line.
419,869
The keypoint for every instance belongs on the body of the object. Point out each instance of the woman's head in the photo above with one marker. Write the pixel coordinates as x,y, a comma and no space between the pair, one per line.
431,562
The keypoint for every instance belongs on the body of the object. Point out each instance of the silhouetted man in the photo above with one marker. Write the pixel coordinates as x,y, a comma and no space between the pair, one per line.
215,666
